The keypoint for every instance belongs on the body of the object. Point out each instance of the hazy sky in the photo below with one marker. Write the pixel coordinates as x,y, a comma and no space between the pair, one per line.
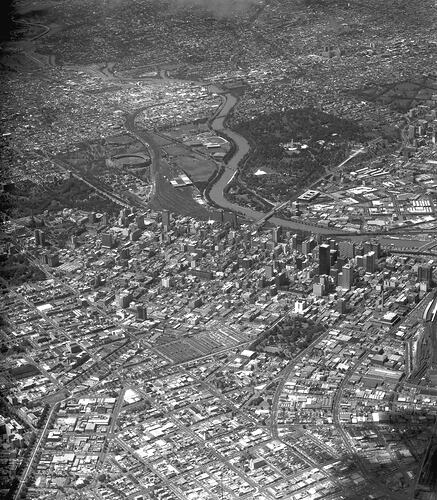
220,8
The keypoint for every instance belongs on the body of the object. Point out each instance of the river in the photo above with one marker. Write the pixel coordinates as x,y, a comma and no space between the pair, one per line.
242,147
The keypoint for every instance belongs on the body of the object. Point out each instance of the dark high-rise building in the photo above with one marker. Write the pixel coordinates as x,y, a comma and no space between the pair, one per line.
141,312
135,235
139,221
107,240
369,262
424,274
40,237
376,247
53,260
372,246
324,258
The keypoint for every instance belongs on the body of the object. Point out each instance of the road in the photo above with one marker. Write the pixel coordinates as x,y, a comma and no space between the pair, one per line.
34,453
283,377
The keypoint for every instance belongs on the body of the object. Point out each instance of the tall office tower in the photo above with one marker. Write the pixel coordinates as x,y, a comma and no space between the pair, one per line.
426,356
276,234
367,247
346,249
324,280
165,218
334,275
347,278
141,312
376,247
333,244
40,237
370,262
107,240
293,242
424,274
359,261
124,300
324,258
53,260
341,261
308,245
341,306
333,254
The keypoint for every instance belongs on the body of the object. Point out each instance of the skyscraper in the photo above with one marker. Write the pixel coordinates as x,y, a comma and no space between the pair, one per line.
424,274
165,218
124,299
324,258
141,312
370,262
347,277
293,242
40,237
276,234
308,245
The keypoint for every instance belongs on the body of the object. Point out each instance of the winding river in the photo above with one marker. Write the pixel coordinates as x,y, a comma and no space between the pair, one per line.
242,147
